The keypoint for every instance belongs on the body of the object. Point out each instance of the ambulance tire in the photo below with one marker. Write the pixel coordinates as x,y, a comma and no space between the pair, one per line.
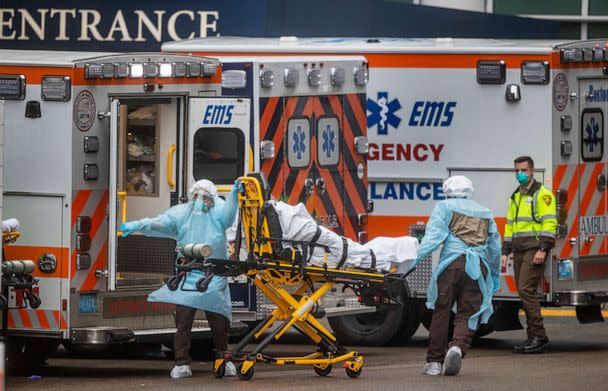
409,325
371,329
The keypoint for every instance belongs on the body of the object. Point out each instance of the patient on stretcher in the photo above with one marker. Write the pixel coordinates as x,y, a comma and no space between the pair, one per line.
380,253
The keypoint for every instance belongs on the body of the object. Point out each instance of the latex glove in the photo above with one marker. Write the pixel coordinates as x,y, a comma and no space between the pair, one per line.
129,227
239,186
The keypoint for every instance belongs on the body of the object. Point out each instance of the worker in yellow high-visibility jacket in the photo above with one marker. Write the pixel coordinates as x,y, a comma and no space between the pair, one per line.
530,234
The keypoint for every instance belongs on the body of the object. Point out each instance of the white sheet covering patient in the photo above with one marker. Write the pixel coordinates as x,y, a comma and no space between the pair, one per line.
298,224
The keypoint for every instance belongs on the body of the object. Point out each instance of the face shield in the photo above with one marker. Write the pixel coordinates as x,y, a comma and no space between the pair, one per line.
202,195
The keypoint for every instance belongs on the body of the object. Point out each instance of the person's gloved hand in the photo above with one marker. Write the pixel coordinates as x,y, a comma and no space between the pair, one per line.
129,227
239,186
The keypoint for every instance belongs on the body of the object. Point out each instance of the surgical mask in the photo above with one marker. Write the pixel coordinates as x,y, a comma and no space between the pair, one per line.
522,177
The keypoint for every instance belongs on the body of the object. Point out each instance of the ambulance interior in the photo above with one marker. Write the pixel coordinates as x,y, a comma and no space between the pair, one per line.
147,140
150,176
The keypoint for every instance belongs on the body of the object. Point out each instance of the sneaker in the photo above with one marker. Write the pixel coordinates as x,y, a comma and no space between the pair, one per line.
453,361
230,369
181,371
432,368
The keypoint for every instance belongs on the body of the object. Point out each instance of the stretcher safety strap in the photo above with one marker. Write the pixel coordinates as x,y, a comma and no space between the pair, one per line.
371,252
316,236
344,253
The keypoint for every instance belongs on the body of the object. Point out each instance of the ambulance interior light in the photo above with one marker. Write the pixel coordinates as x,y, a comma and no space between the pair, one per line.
165,69
56,88
93,71
136,70
535,72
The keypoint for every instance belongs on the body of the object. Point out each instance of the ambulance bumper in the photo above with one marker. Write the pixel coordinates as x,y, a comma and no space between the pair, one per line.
101,336
579,298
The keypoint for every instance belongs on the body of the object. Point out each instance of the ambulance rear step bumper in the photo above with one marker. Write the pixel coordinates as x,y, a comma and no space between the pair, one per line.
581,298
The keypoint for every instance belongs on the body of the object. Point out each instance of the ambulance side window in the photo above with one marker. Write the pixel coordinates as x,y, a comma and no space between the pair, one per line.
592,135
218,154
298,142
328,141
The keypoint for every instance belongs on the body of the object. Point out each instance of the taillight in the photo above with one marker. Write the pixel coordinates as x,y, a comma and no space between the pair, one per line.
561,197
561,200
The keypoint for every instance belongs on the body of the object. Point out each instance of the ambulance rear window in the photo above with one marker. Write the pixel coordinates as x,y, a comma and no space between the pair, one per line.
218,154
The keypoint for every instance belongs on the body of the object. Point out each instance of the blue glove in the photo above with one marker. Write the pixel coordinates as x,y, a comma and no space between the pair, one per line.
239,186
129,227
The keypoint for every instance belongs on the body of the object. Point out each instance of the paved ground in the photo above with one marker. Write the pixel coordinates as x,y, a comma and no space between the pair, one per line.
576,359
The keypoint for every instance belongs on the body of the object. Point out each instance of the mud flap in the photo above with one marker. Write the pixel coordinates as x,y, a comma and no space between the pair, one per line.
506,317
589,314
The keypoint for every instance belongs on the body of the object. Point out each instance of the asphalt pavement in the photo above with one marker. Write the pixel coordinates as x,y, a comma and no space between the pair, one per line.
576,359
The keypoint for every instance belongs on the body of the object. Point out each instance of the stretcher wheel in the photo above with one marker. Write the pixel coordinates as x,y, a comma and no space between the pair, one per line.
173,283
244,376
33,299
323,372
202,284
221,371
352,373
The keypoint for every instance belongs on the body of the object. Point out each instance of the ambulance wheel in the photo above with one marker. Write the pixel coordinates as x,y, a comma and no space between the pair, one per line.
323,372
221,371
371,329
352,373
244,376
409,324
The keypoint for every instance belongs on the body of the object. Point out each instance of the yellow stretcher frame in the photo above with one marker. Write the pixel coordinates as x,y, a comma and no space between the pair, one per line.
293,308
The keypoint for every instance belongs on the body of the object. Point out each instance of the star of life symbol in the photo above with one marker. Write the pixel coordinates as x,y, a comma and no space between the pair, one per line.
382,113
591,135
298,142
329,145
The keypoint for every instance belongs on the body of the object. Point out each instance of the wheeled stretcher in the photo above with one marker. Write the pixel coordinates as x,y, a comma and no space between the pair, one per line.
293,285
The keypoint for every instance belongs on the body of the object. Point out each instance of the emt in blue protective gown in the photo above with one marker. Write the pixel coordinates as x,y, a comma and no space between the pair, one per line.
204,219
466,276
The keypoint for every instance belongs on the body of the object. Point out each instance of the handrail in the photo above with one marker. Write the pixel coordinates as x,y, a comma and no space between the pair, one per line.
123,207
170,167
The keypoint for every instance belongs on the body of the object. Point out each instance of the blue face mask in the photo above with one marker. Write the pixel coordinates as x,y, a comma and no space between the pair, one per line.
522,177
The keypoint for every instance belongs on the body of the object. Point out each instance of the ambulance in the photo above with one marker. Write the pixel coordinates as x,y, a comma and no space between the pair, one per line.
92,140
441,107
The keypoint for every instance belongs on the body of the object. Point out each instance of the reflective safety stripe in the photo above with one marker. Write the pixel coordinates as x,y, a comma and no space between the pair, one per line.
548,217
533,234
509,221
523,219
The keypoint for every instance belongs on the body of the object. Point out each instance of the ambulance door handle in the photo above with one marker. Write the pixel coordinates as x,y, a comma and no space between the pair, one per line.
321,188
170,180
309,187
103,114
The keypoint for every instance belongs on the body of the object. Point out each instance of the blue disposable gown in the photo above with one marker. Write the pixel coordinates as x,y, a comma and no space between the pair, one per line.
438,232
181,224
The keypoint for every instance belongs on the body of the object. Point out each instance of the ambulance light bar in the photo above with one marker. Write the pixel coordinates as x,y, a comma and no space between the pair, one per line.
136,70
234,79
165,69
361,75
56,88
107,70
491,71
179,69
93,71
266,78
12,87
535,72
314,77
572,55
194,69
338,76
598,55
209,69
291,77
150,70
121,70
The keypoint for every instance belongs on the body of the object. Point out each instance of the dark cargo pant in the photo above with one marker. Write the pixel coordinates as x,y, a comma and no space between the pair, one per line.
184,319
527,277
455,286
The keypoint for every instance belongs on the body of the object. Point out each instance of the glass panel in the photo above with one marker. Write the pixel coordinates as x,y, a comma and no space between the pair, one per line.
218,154
328,141
598,7
298,142
546,7
598,30
569,30
141,157
592,135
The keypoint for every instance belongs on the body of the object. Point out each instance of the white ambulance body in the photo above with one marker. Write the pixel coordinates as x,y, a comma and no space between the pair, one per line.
92,140
441,107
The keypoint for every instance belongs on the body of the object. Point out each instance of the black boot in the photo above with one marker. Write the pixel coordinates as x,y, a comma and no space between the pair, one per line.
537,345
520,348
